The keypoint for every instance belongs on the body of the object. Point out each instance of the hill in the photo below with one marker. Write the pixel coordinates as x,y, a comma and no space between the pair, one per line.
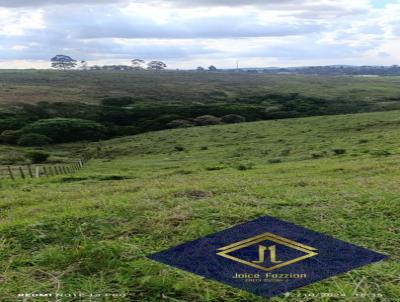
90,232
106,104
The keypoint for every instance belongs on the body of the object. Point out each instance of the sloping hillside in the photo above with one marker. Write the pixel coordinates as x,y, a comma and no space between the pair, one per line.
90,232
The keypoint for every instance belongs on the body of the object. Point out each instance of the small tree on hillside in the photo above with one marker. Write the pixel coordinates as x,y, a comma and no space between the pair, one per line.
212,68
137,64
156,65
63,62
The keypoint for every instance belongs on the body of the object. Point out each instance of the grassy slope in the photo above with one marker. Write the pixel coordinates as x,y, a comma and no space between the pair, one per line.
91,232
44,85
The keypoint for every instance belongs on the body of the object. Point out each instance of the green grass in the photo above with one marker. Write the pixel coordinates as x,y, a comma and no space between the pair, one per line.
90,232
32,86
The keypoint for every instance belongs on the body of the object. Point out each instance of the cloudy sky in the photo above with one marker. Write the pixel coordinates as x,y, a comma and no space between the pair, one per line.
188,33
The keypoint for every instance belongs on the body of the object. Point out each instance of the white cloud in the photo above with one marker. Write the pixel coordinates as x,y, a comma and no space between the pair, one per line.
187,33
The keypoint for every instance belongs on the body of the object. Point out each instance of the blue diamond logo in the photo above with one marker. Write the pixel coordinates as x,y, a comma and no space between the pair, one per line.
267,256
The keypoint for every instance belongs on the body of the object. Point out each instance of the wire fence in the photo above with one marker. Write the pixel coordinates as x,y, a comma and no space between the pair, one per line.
15,172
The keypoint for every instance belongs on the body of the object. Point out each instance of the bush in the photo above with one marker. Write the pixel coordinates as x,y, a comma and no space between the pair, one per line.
10,136
180,124
62,130
33,139
179,148
13,122
338,151
37,157
205,120
123,130
245,166
233,119
118,101
215,168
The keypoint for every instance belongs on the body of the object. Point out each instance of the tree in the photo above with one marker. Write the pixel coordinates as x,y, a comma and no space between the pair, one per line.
200,68
63,62
137,64
212,68
156,65
33,139
63,130
84,65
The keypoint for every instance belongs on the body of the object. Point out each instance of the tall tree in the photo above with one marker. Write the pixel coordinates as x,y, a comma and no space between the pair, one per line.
63,62
156,65
137,64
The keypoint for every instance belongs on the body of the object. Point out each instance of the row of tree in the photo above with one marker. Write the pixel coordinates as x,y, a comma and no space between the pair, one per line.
63,62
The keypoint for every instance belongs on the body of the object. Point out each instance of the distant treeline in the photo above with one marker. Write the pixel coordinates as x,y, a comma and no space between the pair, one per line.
45,123
332,70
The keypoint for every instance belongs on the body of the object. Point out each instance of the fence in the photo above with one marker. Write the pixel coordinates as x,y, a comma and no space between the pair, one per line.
36,171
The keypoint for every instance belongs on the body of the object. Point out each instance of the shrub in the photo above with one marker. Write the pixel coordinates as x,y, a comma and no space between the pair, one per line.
233,119
179,148
118,101
245,166
33,139
180,124
205,120
62,130
10,136
12,122
339,151
37,157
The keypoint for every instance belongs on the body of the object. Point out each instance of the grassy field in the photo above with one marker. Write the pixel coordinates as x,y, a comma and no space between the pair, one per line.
90,232
25,86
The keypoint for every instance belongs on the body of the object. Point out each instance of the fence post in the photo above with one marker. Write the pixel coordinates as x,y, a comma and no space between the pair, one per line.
10,172
64,170
21,171
45,171
81,163
37,172
30,171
